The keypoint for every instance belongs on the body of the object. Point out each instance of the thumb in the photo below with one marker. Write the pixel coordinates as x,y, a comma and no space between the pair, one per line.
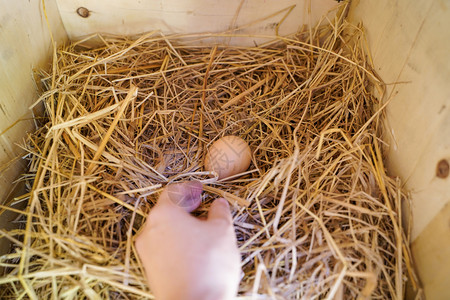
186,195
220,210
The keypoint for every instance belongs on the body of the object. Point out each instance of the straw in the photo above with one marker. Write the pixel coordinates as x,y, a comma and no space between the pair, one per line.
316,215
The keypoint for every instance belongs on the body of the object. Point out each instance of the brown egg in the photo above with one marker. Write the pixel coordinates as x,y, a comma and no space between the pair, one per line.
228,156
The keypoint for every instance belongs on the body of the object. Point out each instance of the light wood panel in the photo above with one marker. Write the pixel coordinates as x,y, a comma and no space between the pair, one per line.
432,256
24,45
410,44
127,17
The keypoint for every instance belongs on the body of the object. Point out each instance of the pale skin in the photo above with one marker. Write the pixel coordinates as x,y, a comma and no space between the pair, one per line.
185,257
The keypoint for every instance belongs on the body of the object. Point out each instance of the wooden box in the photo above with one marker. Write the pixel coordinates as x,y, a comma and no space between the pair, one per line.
410,46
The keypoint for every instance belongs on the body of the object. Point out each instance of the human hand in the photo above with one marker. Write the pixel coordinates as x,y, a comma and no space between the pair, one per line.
185,257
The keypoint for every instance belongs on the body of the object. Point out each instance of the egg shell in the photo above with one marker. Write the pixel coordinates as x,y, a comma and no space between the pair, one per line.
228,156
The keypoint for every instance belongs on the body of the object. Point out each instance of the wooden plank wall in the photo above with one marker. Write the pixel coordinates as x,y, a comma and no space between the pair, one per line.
410,45
128,17
24,45
432,255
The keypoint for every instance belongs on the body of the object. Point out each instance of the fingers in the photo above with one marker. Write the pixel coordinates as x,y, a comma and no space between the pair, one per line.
186,195
220,210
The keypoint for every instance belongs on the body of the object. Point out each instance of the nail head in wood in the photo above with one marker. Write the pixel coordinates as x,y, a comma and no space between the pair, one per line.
83,12
443,168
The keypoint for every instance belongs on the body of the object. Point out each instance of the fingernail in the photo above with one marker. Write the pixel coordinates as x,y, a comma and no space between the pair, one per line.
195,188
186,195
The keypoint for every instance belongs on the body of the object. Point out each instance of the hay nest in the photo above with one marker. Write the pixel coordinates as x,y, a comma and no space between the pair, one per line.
316,215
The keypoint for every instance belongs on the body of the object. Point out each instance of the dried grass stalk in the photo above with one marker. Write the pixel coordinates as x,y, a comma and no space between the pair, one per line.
316,215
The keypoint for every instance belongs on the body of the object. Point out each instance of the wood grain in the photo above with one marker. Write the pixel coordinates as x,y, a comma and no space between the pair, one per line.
127,17
410,46
24,45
